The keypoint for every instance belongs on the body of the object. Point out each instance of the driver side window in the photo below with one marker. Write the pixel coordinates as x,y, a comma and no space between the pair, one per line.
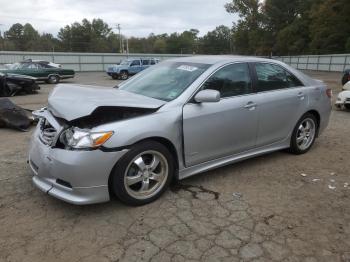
232,80
135,63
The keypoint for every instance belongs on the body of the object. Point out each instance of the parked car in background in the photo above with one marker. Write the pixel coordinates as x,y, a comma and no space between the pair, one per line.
42,70
176,119
346,77
343,100
12,84
130,67
346,86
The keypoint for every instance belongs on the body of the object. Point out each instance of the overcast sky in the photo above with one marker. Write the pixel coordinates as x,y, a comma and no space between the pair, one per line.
137,17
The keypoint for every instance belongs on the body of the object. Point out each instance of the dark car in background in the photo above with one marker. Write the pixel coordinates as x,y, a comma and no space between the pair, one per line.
346,77
11,84
42,70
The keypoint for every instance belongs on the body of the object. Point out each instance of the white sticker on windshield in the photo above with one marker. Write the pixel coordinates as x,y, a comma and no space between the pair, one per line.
187,68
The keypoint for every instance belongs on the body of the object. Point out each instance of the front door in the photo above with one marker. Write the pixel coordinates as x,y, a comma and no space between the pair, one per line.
135,67
227,127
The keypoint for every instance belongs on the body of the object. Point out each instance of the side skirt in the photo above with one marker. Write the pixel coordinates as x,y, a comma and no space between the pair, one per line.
212,164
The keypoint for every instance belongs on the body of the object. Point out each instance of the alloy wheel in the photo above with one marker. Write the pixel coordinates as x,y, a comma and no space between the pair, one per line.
146,175
306,134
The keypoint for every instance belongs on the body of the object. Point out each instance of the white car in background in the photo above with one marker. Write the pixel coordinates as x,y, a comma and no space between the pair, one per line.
343,100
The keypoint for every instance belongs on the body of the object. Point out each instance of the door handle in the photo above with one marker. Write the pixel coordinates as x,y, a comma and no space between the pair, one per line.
250,106
301,96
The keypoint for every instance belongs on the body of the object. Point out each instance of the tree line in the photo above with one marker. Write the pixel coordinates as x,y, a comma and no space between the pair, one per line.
269,27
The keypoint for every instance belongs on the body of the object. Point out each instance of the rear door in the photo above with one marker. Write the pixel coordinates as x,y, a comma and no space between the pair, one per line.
282,99
145,63
214,130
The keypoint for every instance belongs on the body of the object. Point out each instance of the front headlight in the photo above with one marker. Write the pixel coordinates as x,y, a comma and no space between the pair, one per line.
84,139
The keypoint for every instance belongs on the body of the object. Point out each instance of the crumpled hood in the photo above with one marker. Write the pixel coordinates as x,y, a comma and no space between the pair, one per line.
74,101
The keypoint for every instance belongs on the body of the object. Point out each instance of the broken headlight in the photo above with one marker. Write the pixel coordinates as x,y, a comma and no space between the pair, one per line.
77,138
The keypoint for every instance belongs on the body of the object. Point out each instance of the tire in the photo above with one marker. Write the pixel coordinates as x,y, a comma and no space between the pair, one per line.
114,76
147,163
53,79
347,106
302,140
124,75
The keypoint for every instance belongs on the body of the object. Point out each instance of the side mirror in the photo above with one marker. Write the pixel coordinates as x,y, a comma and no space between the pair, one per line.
207,96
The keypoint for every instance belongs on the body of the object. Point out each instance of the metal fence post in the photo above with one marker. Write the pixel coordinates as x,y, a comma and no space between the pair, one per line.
79,61
345,62
330,63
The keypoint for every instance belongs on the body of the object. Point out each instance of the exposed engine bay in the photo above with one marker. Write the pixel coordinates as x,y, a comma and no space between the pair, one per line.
105,115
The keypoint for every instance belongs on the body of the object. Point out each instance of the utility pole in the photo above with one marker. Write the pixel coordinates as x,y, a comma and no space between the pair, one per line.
121,49
127,47
2,40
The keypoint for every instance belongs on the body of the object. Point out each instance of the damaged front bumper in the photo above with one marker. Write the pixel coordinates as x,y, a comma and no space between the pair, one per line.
77,177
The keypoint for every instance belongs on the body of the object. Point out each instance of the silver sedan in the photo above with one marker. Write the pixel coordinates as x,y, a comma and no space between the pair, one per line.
174,120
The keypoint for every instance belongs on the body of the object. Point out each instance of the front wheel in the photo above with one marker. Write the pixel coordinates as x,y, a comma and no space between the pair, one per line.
143,174
304,134
124,75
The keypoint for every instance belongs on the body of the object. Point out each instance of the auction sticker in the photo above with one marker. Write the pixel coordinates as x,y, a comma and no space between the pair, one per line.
187,68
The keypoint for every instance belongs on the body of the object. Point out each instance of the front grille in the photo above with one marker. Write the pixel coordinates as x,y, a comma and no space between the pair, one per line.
63,183
47,132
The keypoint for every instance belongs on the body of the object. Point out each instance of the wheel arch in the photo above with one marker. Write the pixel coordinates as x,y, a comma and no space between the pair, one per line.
162,140
317,115
54,74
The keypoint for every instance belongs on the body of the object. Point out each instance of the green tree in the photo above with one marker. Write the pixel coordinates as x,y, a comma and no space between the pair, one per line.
248,32
329,26
15,36
218,41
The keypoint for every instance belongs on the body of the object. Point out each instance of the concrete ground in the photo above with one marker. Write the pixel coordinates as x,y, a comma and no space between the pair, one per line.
278,207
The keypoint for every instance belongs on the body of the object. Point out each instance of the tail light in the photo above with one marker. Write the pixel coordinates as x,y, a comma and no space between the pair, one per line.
348,77
329,92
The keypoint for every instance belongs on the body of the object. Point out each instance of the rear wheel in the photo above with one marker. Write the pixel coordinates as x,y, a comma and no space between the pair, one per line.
53,79
304,134
143,174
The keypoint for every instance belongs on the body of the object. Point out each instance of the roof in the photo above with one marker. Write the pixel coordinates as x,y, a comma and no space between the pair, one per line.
214,59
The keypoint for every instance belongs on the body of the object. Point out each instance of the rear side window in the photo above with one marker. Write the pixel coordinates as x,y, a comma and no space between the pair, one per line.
145,62
232,80
273,77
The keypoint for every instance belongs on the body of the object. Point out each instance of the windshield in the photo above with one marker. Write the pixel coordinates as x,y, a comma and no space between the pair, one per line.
125,62
165,81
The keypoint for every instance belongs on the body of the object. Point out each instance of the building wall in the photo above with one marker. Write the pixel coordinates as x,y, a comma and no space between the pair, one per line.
82,62
332,63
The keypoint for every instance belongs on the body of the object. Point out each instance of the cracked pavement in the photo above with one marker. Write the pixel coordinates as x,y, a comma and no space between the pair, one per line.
261,209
